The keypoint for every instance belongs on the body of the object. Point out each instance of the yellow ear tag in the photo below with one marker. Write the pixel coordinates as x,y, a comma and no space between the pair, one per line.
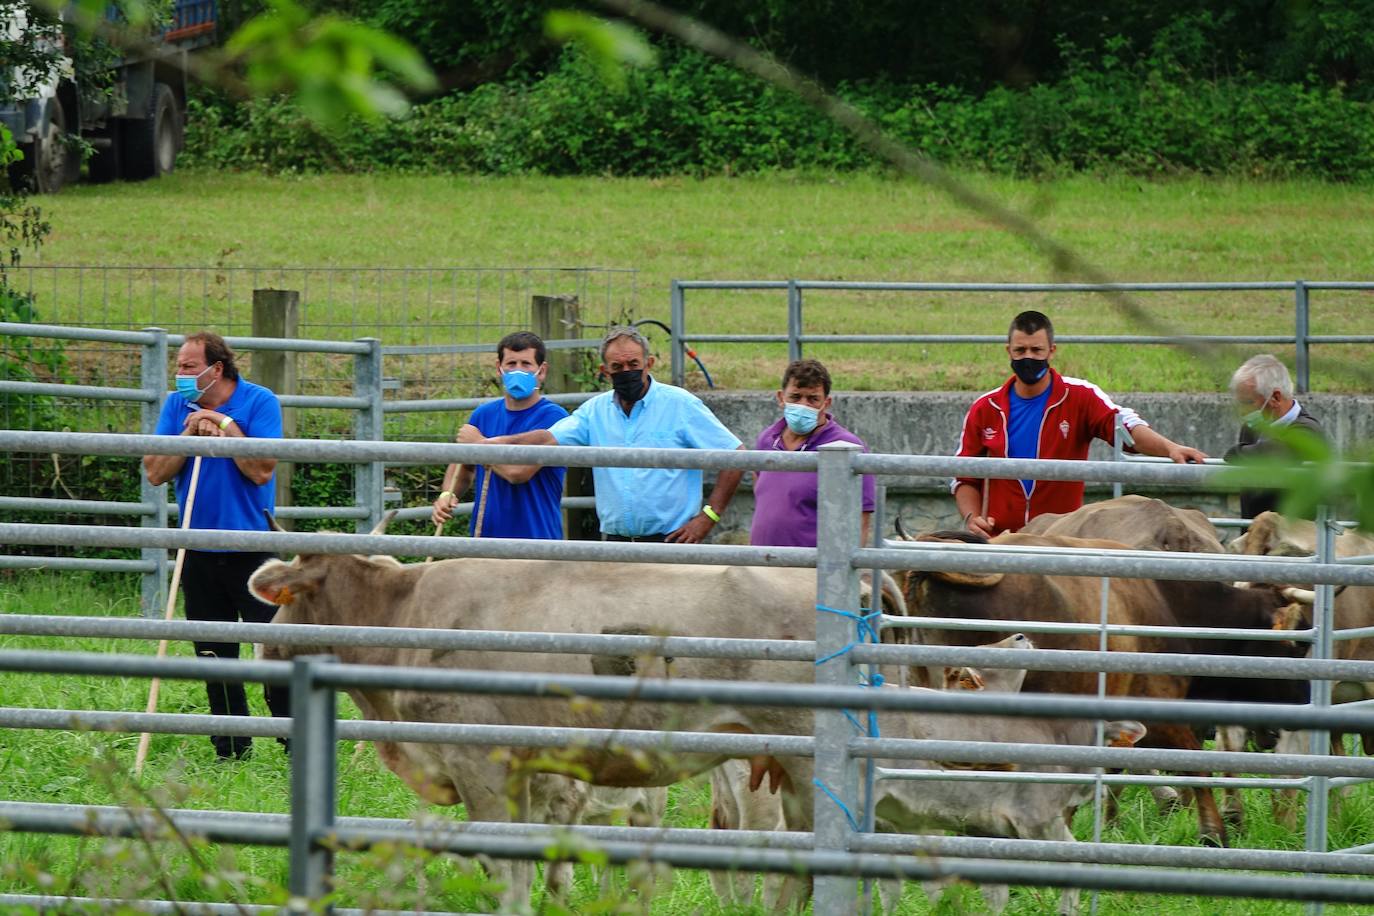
284,596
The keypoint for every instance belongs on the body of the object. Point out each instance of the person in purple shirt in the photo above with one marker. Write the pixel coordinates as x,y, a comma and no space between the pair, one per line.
785,501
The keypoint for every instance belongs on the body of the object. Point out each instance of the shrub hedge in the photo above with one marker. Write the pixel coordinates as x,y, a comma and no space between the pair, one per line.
692,115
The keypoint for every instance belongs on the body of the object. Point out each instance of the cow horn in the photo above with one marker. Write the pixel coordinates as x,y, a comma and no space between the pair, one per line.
901,529
380,527
1300,595
272,521
969,579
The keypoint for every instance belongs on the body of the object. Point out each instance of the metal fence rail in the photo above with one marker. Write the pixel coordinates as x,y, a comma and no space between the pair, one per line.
836,852
796,337
367,402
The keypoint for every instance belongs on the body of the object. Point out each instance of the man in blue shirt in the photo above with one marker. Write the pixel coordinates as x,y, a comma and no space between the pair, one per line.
233,494
521,500
642,504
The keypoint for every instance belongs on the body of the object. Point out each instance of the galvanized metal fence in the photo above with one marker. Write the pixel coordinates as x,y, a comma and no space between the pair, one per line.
797,337
842,846
438,326
150,348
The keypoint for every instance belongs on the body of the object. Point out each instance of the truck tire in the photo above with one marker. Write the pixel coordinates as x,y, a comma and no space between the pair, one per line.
150,144
49,163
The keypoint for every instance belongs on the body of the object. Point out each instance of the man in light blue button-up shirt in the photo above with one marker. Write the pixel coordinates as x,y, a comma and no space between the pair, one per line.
642,504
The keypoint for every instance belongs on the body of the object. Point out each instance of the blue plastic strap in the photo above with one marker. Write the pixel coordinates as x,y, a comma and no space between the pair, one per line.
853,824
866,632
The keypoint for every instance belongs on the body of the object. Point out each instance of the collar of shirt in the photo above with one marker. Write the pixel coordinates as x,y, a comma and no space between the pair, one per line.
1289,417
819,437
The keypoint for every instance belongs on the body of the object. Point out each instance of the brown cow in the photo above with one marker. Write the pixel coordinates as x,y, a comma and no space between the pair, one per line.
1136,521
1274,535
1018,598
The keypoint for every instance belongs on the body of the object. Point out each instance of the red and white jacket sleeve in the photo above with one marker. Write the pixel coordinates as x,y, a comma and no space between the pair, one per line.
970,446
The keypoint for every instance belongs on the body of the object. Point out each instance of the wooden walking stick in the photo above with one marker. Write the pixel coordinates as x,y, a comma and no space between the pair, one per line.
482,504
481,512
146,737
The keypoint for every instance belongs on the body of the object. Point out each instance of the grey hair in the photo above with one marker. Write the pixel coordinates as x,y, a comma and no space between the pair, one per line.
1266,373
624,330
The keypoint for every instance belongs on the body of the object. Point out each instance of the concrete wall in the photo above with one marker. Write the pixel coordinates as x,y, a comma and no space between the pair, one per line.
929,423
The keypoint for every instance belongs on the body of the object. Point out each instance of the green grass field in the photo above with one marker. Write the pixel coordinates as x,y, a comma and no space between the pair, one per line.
861,227
854,227
75,767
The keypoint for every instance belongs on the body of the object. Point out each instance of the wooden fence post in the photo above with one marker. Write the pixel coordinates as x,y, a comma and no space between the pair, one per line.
560,318
276,313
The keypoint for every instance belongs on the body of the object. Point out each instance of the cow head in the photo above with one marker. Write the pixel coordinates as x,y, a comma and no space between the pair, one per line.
1273,535
1004,680
284,584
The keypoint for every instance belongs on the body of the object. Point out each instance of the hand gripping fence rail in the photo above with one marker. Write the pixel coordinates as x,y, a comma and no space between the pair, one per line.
837,851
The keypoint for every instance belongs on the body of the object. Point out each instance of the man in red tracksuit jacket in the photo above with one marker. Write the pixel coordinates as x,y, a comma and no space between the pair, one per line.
1039,413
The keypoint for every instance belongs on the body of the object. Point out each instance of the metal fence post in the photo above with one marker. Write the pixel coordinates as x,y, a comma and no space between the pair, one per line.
840,497
1300,358
153,377
794,321
368,478
1323,647
677,318
875,605
313,761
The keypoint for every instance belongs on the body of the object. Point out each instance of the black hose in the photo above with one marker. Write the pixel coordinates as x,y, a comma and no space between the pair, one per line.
690,352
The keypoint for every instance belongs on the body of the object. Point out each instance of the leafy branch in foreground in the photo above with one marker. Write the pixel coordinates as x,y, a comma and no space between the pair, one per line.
1310,474
332,66
1322,481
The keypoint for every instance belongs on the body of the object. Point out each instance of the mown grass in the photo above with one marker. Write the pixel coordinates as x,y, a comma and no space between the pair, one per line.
85,768
854,227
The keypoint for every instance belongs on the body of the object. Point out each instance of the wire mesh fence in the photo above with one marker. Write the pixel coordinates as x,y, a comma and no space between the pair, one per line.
438,324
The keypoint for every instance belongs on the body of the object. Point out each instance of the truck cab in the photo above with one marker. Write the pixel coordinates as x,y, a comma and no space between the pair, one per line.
135,130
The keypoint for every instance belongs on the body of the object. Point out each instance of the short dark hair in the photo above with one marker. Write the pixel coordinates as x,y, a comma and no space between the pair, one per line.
216,351
807,373
521,340
1029,322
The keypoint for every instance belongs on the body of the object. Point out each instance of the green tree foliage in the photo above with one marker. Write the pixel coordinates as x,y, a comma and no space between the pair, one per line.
972,45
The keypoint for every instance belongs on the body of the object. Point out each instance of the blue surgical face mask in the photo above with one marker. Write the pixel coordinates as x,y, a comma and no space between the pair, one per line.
800,418
519,383
186,386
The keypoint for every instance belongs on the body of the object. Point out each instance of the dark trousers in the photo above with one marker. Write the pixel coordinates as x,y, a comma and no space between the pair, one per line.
215,586
639,539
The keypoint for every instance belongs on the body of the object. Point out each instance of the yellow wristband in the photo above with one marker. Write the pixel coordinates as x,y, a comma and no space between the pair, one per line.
710,513
224,424
448,493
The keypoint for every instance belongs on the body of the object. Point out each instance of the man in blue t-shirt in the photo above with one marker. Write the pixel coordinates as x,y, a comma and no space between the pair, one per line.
232,494
511,500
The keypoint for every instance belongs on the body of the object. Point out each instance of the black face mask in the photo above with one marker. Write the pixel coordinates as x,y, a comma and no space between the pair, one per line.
629,385
1029,369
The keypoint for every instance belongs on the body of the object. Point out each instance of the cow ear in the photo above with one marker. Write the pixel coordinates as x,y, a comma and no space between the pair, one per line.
281,583
1292,616
1124,733
971,679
